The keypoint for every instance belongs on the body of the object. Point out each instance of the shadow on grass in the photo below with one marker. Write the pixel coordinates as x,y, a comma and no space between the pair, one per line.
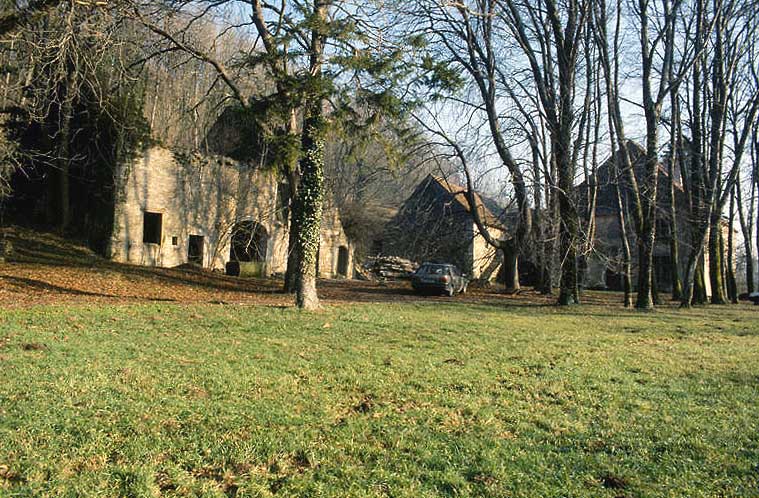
29,283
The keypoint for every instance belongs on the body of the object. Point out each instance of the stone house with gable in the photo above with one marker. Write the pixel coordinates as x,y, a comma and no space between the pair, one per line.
604,263
435,224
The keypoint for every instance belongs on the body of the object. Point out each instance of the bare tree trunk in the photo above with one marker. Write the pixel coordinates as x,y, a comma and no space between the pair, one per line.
616,131
674,242
747,230
694,288
647,235
65,104
716,261
591,192
511,268
732,286
568,293
539,220
626,254
717,140
291,272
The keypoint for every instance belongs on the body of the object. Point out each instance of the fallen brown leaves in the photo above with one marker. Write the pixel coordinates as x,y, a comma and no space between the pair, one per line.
47,269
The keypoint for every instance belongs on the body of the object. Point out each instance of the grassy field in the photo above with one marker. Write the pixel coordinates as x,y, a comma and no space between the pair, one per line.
395,400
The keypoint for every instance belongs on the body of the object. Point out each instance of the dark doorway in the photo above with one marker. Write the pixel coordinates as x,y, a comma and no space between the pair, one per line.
151,227
614,280
249,241
195,250
342,261
663,272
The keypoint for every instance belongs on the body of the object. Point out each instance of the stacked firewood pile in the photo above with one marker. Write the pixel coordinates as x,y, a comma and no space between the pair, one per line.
387,268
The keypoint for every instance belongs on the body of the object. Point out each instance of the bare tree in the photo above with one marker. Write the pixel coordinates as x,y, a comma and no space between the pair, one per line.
561,32
65,64
715,78
482,38
746,221
469,36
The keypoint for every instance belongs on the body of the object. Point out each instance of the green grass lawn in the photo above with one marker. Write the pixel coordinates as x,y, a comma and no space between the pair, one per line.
385,400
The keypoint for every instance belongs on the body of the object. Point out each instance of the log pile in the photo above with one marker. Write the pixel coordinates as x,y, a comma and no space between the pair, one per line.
387,268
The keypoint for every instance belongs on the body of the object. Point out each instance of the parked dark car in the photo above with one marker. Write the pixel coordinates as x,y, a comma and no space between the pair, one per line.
433,277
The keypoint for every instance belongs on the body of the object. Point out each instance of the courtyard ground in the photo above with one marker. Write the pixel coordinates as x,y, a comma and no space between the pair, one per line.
182,383
46,269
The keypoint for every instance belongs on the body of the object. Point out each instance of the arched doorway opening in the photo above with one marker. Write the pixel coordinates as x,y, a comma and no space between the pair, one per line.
249,242
342,261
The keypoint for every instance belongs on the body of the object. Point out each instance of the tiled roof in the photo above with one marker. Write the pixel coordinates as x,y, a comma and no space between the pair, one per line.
459,195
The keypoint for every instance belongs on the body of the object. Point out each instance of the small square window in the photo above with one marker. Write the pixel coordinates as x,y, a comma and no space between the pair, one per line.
151,228
175,241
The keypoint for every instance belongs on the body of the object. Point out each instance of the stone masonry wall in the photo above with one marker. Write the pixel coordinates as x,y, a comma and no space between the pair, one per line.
206,196
486,260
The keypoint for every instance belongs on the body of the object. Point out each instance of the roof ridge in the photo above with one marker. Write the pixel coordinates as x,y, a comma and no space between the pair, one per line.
461,197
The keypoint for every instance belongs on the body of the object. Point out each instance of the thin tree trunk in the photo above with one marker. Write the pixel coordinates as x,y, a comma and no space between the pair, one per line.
291,272
63,153
715,261
717,113
538,218
568,293
746,230
674,242
694,288
647,235
655,285
626,254
732,286
619,150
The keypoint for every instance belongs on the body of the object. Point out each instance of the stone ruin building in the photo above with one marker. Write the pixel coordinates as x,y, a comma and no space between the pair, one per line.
172,209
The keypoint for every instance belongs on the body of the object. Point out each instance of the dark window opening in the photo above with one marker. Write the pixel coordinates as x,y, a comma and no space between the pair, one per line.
249,241
283,202
342,261
663,229
175,241
151,228
195,249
